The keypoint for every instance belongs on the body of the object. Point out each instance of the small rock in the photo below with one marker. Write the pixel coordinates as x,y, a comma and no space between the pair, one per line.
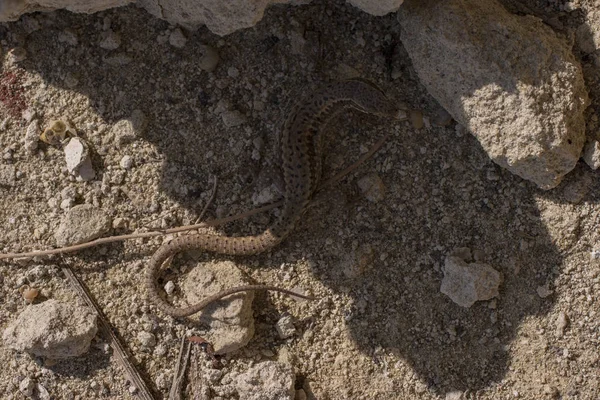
79,162
146,339
110,40
231,320
127,130
266,195
8,175
177,39
372,187
300,395
53,330
120,223
441,117
17,55
27,386
32,136
467,283
209,59
67,36
266,380
42,392
169,288
357,262
591,154
233,118
544,291
81,224
595,254
233,72
126,162
562,321
285,327
454,395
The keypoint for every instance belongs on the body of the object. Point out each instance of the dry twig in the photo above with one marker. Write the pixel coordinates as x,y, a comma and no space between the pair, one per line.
214,222
123,357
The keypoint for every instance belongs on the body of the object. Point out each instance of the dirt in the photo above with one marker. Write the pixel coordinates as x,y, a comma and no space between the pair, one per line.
381,328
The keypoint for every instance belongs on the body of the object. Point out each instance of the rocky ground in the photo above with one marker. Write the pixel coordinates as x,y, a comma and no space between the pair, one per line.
163,111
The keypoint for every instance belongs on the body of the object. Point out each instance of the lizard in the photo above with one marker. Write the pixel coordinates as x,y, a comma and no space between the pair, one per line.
301,145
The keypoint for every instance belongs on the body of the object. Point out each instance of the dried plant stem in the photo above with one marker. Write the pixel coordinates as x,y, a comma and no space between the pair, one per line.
214,222
119,350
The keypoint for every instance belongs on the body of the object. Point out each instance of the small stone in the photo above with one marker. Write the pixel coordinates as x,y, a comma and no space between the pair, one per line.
110,40
81,224
146,339
300,395
53,330
285,327
67,36
454,395
357,262
177,39
126,162
591,154
544,291
120,223
233,118
32,136
79,162
441,117
127,130
266,380
266,195
42,392
209,59
8,175
169,288
27,386
467,283
372,187
17,55
231,320
233,72
562,321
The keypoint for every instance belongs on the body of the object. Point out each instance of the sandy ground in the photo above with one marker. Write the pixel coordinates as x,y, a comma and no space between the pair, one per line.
381,329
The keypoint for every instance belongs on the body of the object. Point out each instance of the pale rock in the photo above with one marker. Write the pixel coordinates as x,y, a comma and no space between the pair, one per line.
209,58
53,330
127,130
372,188
32,136
591,154
78,159
177,39
268,380
230,319
81,224
8,175
527,112
110,40
285,327
561,324
465,283
233,118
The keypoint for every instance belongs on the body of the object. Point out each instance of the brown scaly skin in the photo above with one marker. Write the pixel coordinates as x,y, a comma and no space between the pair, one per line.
301,148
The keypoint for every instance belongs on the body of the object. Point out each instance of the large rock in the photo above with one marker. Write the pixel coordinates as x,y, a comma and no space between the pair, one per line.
230,319
507,78
221,17
53,330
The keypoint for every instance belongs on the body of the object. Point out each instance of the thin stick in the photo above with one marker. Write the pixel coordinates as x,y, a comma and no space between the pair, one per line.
215,222
121,353
182,364
210,200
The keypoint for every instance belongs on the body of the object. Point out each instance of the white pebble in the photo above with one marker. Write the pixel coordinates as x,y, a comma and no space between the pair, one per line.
169,288
177,39
126,162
